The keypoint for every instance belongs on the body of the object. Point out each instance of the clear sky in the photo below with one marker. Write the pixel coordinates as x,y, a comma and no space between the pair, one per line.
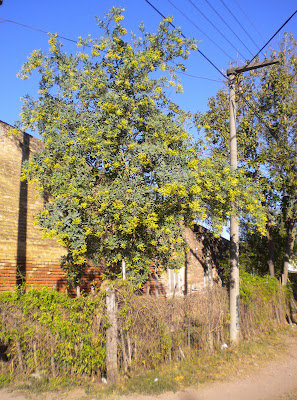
260,18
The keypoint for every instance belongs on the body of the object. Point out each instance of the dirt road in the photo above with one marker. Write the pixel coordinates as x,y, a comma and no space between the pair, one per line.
269,382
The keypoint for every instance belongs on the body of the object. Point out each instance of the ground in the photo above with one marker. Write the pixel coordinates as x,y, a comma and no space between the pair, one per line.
276,380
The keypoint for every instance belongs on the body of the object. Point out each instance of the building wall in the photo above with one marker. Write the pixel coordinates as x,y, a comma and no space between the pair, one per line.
201,268
25,257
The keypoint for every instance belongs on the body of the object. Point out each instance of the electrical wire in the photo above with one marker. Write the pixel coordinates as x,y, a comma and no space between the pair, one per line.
254,110
258,116
241,95
212,24
199,77
74,41
184,73
37,29
182,35
197,27
285,23
239,23
226,23
250,21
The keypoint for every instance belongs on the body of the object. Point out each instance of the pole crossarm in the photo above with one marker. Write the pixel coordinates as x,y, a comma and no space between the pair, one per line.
248,66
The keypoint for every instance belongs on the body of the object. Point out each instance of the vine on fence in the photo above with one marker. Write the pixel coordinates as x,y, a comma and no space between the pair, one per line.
44,330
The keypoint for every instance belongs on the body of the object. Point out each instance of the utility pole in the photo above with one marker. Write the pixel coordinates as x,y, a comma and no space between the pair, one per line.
234,226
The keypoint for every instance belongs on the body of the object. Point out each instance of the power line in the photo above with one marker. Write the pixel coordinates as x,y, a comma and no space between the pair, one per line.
205,34
285,23
212,24
241,95
37,29
199,77
182,35
226,23
239,23
250,21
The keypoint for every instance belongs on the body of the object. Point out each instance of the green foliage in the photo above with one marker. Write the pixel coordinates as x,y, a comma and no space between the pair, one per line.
262,298
253,286
5,379
253,253
66,332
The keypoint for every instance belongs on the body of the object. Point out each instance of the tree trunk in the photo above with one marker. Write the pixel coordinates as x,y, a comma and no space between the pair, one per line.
291,232
271,250
111,337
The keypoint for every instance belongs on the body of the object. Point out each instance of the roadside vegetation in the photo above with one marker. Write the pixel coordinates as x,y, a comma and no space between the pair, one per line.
163,344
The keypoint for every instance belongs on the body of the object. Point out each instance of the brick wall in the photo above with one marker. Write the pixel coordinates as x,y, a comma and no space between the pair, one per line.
24,254
201,268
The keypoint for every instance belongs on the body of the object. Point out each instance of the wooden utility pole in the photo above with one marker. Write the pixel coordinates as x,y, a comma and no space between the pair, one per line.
234,227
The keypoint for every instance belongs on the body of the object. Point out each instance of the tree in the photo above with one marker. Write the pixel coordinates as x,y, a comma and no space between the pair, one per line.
267,141
120,175
279,98
117,168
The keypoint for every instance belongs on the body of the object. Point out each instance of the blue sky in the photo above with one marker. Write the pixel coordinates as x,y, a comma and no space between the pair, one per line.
76,18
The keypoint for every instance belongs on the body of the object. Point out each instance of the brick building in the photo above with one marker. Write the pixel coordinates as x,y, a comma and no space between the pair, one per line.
25,257
201,269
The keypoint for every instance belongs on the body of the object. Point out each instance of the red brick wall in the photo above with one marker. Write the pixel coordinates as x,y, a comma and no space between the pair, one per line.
22,248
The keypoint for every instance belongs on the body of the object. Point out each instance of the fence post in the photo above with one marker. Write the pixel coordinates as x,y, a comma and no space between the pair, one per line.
111,337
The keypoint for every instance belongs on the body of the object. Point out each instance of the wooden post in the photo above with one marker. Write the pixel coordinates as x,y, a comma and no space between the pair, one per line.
234,227
77,291
124,269
111,337
20,354
156,279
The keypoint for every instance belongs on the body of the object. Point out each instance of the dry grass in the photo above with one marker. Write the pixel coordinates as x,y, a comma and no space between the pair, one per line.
289,396
155,331
208,367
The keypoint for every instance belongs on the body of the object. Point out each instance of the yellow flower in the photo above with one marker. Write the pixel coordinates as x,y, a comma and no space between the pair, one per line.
118,18
118,204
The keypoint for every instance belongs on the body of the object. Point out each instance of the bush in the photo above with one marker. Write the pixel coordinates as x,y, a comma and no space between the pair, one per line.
50,331
264,304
